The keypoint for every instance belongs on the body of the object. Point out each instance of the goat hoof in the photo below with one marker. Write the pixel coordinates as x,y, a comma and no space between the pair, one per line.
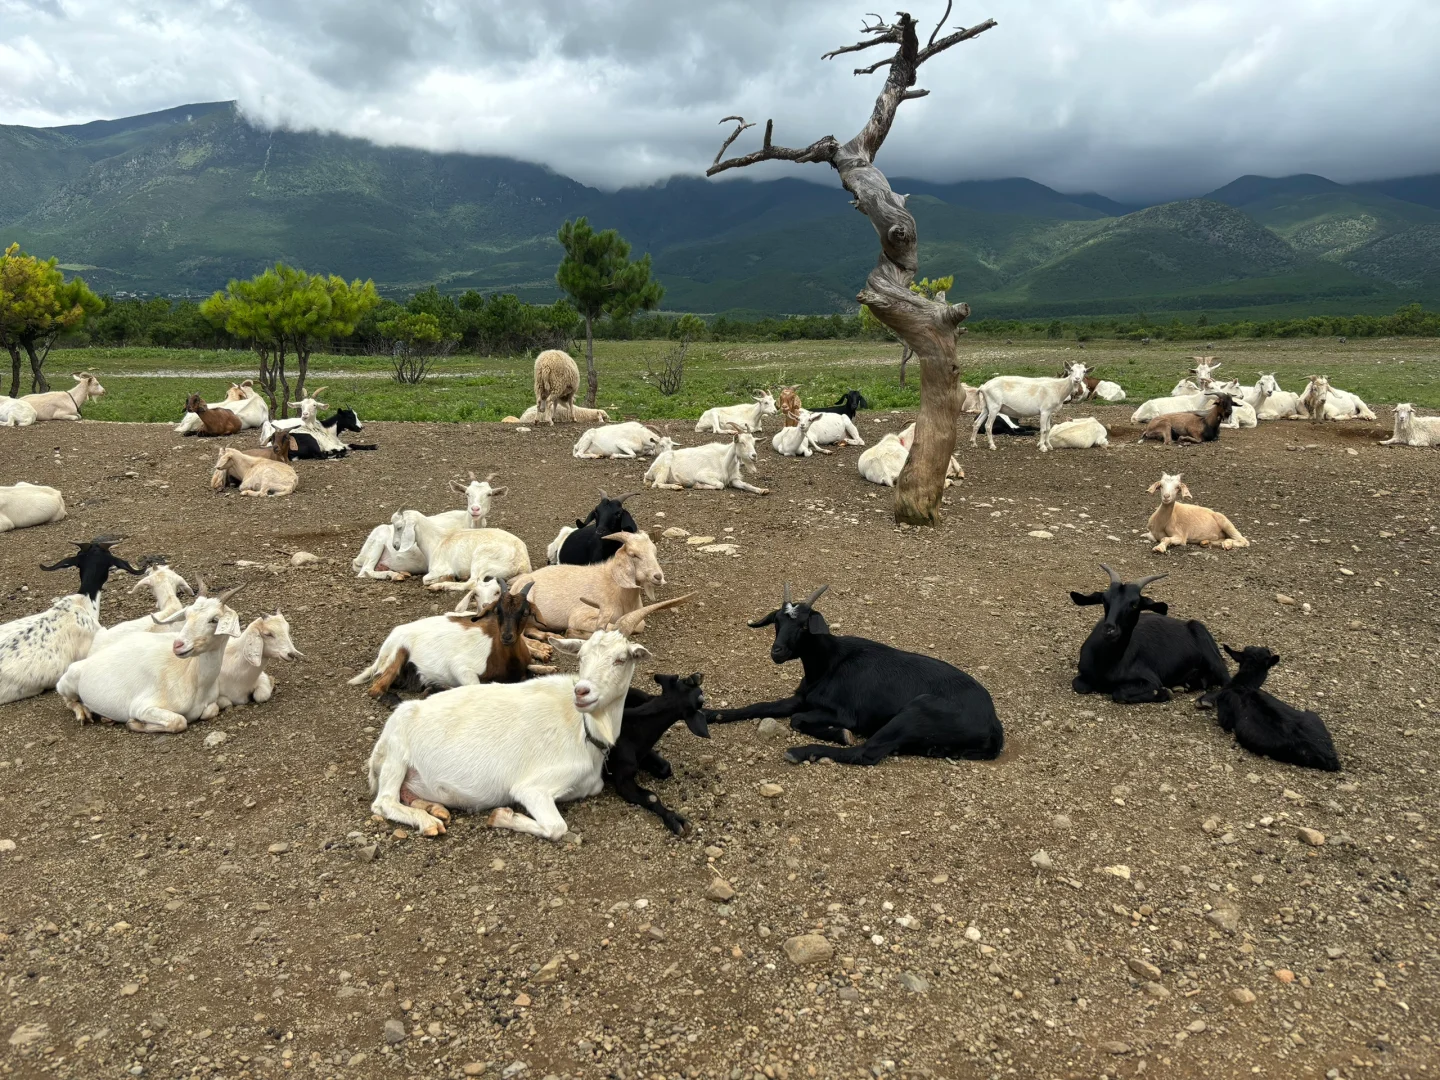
847,737
680,827
436,828
500,817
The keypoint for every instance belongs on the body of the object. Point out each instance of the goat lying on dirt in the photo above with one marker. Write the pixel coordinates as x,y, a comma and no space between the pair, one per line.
1175,523
1188,426
1265,725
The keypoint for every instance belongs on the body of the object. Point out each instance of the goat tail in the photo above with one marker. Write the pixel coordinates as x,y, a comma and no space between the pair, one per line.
371,671
363,446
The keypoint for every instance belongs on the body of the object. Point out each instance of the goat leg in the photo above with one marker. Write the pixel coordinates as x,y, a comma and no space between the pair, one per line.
541,669
777,709
633,793
655,765
819,724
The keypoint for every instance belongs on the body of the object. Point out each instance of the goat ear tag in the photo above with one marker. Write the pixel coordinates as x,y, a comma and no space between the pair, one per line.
229,624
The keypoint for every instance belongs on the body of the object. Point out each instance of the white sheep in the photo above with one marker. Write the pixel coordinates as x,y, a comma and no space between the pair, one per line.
1079,434
489,746
738,417
711,467
1412,430
1174,523
15,412
557,379
24,505
626,440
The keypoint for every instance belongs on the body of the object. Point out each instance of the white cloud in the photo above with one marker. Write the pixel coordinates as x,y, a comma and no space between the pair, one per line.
1135,98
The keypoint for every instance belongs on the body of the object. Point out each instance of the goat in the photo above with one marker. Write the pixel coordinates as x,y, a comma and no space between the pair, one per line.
1276,404
899,702
627,440
25,505
1186,387
647,718
882,463
319,438
242,400
164,584
851,402
65,404
617,584
834,429
379,560
975,402
1265,725
615,615
1079,434
494,744
1204,370
790,407
16,413
1187,426
557,378
552,551
1196,402
580,414
155,682
587,543
1105,391
461,648
213,422
257,476
711,467
1137,652
1412,430
738,417
459,559
1175,523
279,446
1026,397
1313,397
242,673
795,441
36,649
1334,403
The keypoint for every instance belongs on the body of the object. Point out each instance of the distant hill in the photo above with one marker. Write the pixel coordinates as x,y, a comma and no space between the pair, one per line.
182,200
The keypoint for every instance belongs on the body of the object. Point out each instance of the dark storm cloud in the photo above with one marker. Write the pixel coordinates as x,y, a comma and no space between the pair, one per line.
1135,98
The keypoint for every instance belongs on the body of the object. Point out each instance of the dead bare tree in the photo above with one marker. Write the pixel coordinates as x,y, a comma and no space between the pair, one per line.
926,326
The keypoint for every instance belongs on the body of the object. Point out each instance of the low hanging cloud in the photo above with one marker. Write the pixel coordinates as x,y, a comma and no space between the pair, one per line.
1134,98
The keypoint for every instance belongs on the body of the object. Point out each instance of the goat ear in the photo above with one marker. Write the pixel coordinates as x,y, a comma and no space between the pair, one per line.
659,678
495,493
1184,492
1233,654
698,678
254,650
1274,659
817,624
765,620
638,652
1159,607
1087,599
1153,487
568,644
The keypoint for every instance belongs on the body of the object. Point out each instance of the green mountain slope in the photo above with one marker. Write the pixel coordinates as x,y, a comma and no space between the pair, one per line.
182,200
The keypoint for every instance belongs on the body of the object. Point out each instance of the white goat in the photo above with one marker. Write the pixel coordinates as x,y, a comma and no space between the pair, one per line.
242,673
1195,403
1079,434
164,584
447,650
626,440
1186,386
794,441
491,745
23,505
65,404
242,400
830,428
711,467
377,551
154,682
1106,391
882,463
1276,404
552,553
459,559
16,413
740,417
1024,396
1174,523
1412,430
1336,404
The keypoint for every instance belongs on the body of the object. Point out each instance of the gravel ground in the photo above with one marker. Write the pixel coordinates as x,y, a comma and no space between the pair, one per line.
1124,892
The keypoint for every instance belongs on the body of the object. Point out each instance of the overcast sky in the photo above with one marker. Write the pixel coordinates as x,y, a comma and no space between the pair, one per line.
1132,98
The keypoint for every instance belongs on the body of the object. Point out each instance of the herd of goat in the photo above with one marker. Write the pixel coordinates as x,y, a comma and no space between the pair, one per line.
491,725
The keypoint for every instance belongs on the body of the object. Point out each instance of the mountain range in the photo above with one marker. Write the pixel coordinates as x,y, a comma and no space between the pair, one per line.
180,201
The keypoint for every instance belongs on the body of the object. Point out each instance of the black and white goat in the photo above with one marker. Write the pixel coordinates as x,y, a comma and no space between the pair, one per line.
586,544
1265,725
647,718
1136,652
851,402
899,702
327,442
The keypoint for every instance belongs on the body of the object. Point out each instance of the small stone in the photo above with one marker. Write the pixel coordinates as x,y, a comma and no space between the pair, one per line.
849,993
770,728
1242,996
674,532
713,852
1041,860
1225,916
1352,451
1313,837
771,791
497,865
129,989
356,1059
7,844
1347,572
1042,534
303,558
1356,624
654,933
1195,1027
522,1000
720,891
939,879
808,948
1210,825
1062,821
1143,968
473,1068
368,853
394,1031
1334,952
1281,598
1120,870
279,848
721,549
26,1034
696,541
513,1069
1156,991
914,983
972,933
214,739
1115,1047
1285,975
401,834
550,971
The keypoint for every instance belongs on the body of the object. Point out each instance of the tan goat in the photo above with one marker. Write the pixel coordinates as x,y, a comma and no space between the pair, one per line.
256,476
618,585
1175,523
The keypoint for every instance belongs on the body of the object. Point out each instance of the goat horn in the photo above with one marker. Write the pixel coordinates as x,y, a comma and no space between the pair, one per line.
168,618
228,593
624,497
1149,580
204,589
786,599
1114,577
592,603
488,476
630,620
810,600
602,494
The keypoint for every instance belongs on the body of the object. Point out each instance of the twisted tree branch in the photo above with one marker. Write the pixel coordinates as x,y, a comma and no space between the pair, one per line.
741,126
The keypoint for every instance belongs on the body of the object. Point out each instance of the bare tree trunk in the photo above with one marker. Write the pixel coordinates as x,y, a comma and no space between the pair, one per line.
302,359
14,369
592,381
927,327
38,383
267,378
905,354
278,373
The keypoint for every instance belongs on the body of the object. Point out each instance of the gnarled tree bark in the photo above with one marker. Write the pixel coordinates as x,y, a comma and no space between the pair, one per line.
927,327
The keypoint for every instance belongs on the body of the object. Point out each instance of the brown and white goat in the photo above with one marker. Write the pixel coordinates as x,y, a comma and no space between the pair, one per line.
213,422
790,405
1173,523
1189,427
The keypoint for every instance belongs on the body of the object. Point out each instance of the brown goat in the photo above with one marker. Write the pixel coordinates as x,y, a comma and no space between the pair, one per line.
278,449
790,405
1188,426
212,421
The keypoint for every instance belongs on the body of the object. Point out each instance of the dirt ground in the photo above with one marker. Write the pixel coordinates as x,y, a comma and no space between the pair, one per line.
171,910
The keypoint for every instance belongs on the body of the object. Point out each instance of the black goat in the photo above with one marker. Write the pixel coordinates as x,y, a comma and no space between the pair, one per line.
95,560
647,717
1265,725
306,446
1137,651
587,544
899,702
850,403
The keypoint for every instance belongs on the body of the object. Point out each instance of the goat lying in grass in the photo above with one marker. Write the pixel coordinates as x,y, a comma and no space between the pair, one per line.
1189,427
647,718
1174,523
1265,725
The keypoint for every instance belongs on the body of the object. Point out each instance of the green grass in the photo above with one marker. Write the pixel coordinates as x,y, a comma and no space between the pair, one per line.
1382,371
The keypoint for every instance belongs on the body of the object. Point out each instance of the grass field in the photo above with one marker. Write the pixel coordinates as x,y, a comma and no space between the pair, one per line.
150,385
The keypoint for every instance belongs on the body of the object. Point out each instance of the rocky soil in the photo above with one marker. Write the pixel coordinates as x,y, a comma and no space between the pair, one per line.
1125,892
